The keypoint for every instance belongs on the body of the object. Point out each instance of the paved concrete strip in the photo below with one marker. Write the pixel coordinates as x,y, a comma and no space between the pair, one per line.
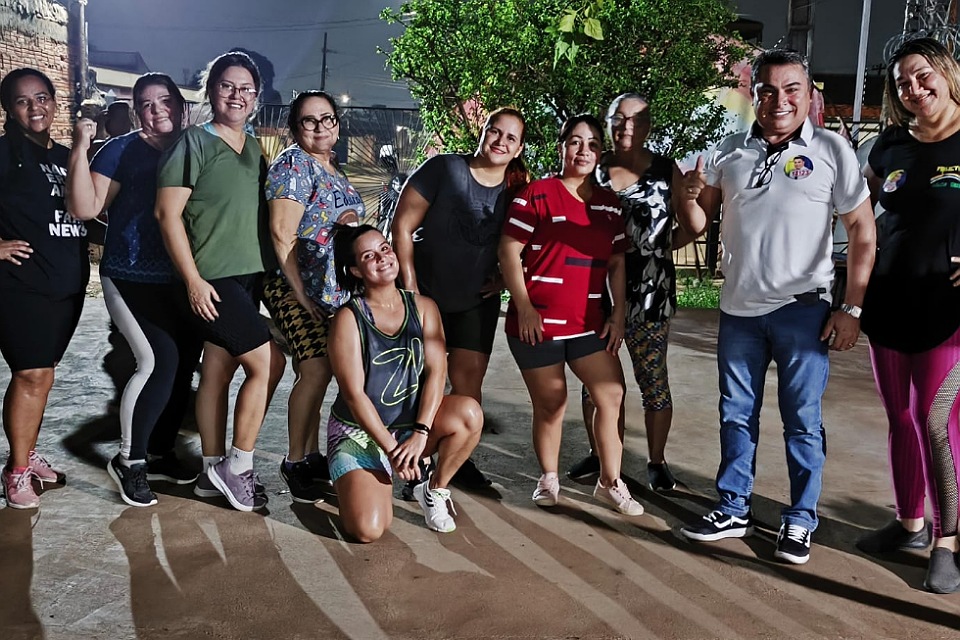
583,536
536,559
164,562
699,570
426,545
874,571
500,450
695,566
320,577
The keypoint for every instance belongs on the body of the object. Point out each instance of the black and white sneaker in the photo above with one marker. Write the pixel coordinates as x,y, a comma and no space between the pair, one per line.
168,468
132,482
718,525
793,544
300,480
469,477
586,471
659,477
319,468
406,494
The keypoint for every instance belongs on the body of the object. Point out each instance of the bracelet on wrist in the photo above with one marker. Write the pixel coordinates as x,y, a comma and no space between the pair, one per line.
419,427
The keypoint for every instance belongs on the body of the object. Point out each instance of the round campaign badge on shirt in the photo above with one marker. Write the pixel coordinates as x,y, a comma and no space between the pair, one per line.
798,167
894,181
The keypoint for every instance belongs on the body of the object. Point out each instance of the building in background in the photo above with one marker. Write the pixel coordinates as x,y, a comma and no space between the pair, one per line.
829,33
39,34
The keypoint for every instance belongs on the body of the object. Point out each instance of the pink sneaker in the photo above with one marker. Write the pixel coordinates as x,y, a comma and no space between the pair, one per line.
42,470
547,493
618,497
19,490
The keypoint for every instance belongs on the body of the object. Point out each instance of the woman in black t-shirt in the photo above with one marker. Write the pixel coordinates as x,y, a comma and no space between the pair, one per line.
912,305
43,273
446,232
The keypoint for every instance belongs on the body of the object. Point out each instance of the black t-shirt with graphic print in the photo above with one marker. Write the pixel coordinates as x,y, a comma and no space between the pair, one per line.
455,250
32,208
911,305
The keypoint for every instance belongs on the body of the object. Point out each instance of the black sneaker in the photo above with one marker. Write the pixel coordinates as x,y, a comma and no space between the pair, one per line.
260,498
893,537
168,468
406,493
469,477
718,525
793,544
587,471
319,469
943,575
299,478
659,477
132,482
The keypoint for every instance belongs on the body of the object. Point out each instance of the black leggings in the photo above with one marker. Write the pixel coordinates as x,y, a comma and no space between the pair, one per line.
167,351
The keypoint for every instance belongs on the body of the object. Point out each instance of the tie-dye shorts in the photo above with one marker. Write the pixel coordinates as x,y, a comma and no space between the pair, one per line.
350,448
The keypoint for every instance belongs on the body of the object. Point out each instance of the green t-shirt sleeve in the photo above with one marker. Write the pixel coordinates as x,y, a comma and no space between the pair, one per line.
180,165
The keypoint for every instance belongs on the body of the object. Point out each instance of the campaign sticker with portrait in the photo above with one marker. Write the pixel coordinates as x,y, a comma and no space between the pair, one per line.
894,181
798,167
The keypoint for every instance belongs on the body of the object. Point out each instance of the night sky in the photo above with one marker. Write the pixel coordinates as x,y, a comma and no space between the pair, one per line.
180,36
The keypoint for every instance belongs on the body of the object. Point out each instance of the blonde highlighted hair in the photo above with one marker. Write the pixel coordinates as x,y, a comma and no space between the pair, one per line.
939,58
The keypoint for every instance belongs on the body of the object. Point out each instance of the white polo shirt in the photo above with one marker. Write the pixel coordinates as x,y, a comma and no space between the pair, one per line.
777,237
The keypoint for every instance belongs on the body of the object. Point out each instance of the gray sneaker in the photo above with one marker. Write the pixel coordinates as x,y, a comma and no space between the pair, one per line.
204,488
238,489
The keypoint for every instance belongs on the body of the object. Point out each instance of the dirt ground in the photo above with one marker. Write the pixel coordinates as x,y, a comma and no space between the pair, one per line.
85,566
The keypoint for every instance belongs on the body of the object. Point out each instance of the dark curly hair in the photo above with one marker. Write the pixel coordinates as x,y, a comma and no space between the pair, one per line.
344,257
10,125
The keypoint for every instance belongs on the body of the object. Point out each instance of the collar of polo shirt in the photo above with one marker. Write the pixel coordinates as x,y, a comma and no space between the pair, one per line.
804,134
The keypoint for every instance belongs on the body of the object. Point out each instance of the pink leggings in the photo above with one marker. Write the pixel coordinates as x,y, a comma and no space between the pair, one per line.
919,392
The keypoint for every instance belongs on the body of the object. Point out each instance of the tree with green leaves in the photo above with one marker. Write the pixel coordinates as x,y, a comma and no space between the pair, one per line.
556,58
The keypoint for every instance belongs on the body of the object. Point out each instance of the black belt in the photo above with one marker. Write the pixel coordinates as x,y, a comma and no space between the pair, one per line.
810,297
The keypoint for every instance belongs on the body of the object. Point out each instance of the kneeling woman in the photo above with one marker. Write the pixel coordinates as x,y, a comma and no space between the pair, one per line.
387,351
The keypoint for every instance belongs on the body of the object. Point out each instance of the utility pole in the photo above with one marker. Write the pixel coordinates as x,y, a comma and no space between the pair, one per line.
83,63
861,72
323,65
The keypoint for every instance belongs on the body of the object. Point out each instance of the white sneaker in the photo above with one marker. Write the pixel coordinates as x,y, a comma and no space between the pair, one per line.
434,505
547,493
618,496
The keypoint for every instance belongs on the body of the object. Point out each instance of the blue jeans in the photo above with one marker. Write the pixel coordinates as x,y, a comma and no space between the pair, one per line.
790,337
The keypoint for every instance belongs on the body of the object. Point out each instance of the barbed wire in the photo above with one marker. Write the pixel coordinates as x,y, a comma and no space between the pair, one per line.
926,19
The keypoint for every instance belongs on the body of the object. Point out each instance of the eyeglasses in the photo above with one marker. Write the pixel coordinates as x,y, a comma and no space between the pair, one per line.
766,174
328,120
226,89
618,119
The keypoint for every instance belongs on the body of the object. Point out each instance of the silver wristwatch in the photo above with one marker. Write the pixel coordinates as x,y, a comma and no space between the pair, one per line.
851,309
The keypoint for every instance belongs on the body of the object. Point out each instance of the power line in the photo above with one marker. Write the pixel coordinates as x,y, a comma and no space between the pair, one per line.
356,22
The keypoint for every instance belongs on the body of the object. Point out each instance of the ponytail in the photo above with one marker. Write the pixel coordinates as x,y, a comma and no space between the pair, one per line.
516,176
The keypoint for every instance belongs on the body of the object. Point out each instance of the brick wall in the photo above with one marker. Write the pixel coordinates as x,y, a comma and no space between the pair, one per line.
34,33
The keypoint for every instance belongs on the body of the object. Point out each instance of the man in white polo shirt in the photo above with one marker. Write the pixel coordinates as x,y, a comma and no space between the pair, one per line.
779,186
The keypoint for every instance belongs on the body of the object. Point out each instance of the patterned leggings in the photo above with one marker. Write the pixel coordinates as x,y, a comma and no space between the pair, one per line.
647,345
919,392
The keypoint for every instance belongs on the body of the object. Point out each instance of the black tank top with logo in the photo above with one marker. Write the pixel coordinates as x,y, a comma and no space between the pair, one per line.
392,366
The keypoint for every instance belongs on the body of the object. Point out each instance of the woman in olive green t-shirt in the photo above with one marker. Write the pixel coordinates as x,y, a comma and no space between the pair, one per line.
212,215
